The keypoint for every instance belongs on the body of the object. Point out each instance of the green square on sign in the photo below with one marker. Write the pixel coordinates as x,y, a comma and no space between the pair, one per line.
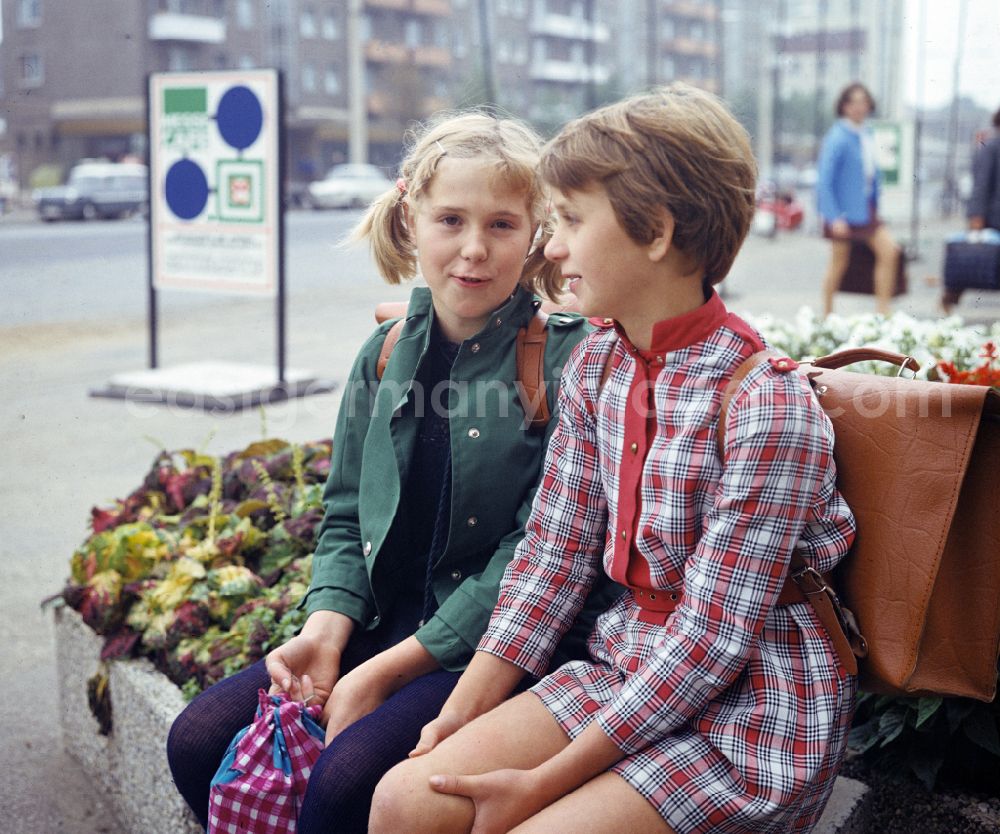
185,100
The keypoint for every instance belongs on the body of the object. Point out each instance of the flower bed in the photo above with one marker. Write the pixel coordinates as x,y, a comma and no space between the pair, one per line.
202,567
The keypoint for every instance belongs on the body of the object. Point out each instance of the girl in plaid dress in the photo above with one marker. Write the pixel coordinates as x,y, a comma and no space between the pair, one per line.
710,701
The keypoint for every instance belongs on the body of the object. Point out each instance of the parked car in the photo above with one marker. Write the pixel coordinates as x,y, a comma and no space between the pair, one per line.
348,186
96,190
777,209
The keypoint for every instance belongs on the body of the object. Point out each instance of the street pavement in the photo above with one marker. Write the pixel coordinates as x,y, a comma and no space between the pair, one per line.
65,451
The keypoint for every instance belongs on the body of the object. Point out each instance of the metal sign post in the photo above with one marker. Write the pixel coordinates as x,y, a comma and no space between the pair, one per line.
216,224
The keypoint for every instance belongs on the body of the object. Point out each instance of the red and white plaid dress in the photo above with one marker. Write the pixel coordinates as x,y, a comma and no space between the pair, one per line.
732,713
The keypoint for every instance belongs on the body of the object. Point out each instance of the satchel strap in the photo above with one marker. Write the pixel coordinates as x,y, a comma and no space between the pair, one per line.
390,342
529,353
803,582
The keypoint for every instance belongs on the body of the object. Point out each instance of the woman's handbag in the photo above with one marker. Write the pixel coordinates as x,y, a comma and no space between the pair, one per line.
859,277
919,465
263,776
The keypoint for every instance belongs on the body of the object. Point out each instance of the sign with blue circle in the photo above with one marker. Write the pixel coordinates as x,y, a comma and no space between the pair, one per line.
214,170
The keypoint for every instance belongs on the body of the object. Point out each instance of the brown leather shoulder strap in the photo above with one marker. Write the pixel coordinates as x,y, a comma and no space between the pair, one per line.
530,360
802,581
390,342
530,357
730,390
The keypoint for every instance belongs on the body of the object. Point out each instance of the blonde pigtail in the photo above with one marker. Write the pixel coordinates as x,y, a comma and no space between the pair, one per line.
384,227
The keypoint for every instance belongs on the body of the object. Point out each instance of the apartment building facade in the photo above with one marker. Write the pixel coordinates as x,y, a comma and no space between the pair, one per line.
787,60
72,75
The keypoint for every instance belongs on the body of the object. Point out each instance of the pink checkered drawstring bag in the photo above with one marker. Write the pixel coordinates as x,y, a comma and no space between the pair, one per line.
261,781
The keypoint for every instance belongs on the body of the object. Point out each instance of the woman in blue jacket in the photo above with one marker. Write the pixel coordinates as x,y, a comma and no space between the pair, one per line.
848,193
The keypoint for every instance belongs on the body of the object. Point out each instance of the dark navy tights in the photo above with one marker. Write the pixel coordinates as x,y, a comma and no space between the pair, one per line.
340,789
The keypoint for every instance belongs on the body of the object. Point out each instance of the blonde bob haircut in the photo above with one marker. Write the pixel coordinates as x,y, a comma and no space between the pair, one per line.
512,148
674,147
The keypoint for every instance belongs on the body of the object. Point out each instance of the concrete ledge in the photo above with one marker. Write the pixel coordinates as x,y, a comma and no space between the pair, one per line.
130,763
845,812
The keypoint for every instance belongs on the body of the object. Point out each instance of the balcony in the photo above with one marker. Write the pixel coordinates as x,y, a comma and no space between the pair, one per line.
432,8
710,84
573,28
435,8
384,52
569,72
698,11
190,28
431,56
689,46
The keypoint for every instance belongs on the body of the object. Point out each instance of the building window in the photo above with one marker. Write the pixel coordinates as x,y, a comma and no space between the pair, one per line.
440,32
329,27
668,68
247,62
32,71
308,78
412,33
307,23
219,9
458,47
29,12
331,82
220,60
244,14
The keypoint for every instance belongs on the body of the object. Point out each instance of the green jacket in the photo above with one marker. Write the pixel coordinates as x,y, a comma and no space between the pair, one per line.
496,466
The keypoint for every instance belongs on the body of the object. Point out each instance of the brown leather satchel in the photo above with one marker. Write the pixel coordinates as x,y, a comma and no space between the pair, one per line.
530,359
919,464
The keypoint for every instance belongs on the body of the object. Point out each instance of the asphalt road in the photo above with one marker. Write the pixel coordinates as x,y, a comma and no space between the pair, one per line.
72,314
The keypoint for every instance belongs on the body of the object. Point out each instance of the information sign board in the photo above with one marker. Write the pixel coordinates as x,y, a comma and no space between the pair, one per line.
215,187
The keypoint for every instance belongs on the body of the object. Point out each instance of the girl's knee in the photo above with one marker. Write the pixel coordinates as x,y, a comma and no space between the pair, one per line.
403,801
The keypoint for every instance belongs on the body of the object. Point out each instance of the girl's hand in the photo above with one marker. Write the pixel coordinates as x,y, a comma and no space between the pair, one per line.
446,724
358,693
314,654
366,687
503,798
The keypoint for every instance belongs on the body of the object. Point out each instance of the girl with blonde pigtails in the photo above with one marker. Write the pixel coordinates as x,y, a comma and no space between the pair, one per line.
433,471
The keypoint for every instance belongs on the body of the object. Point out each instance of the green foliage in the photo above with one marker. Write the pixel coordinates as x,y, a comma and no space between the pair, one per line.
933,738
202,567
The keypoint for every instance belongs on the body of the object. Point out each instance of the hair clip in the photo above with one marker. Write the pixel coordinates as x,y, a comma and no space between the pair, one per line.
440,147
401,185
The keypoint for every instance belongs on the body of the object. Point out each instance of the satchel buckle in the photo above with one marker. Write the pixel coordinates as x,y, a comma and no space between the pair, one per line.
810,581
903,368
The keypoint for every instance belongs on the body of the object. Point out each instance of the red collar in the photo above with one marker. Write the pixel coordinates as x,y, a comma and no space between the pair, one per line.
684,330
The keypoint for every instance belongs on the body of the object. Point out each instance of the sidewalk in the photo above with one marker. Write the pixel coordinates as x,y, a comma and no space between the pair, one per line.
65,452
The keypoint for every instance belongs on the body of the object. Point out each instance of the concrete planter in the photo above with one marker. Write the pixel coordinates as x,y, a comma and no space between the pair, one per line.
129,764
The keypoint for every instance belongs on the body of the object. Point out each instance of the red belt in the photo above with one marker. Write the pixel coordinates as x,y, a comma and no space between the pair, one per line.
803,584
659,601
